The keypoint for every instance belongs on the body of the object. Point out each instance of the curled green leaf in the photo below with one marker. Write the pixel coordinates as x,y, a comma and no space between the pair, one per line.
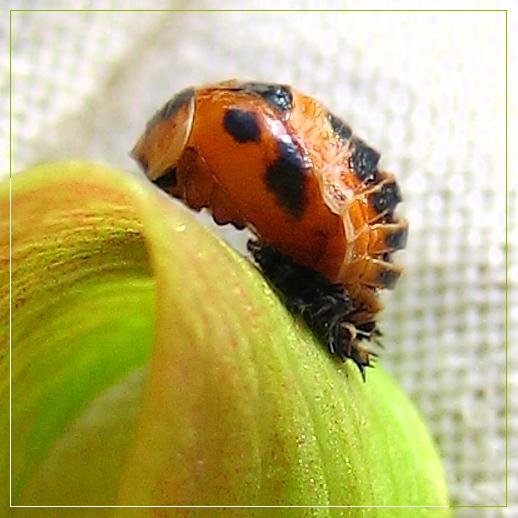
153,365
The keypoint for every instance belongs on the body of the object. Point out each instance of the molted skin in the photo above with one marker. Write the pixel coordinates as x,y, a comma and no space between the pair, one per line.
270,158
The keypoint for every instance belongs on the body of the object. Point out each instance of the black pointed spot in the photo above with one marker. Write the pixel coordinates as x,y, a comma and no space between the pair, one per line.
287,177
278,96
171,107
397,240
168,179
340,128
243,126
387,198
388,278
364,161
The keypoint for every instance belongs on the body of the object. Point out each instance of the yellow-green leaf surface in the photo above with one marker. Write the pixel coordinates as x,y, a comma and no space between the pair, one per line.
153,365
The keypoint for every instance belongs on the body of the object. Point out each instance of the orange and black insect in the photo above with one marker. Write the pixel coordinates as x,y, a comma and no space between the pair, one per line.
270,158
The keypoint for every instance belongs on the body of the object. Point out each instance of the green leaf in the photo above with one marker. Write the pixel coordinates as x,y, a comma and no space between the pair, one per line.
153,365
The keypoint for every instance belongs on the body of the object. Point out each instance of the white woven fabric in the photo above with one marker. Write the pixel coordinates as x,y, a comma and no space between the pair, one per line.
426,89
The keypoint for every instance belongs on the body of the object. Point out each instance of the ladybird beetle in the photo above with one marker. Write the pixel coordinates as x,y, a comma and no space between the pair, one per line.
270,158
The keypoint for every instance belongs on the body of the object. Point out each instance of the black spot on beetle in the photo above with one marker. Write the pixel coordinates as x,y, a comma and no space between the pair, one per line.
168,180
171,107
278,96
387,198
364,161
340,128
287,177
243,126
397,240
388,278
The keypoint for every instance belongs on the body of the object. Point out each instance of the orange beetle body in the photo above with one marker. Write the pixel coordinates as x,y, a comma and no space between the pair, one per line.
268,157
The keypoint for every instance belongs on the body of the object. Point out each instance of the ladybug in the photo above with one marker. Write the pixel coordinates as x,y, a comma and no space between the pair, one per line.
267,157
